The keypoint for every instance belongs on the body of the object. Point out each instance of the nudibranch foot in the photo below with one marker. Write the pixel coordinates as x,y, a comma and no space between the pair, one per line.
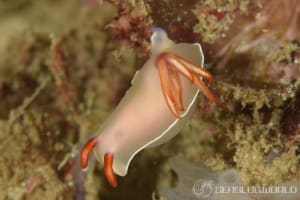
108,161
170,66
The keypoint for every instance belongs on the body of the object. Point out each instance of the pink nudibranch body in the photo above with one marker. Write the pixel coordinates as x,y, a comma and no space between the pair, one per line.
142,118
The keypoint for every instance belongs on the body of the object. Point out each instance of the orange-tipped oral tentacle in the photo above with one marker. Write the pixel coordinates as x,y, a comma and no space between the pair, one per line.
165,83
194,68
172,61
169,65
178,91
172,107
165,78
85,151
206,91
108,170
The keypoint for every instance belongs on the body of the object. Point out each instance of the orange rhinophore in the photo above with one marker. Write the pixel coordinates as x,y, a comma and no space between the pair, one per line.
109,173
85,151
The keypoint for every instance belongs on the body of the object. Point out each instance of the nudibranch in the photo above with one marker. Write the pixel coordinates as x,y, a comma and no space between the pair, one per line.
155,108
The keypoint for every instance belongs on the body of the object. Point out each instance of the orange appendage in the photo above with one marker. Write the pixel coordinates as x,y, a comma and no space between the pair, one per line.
85,151
108,170
169,65
165,84
108,161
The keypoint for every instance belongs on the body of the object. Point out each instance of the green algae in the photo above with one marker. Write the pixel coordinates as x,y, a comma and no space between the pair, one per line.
251,124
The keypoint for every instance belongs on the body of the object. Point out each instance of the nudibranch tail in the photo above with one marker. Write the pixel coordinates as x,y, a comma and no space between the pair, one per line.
160,40
108,161
169,66
85,151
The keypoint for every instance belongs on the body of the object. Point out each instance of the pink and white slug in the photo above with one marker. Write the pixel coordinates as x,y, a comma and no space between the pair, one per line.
156,107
